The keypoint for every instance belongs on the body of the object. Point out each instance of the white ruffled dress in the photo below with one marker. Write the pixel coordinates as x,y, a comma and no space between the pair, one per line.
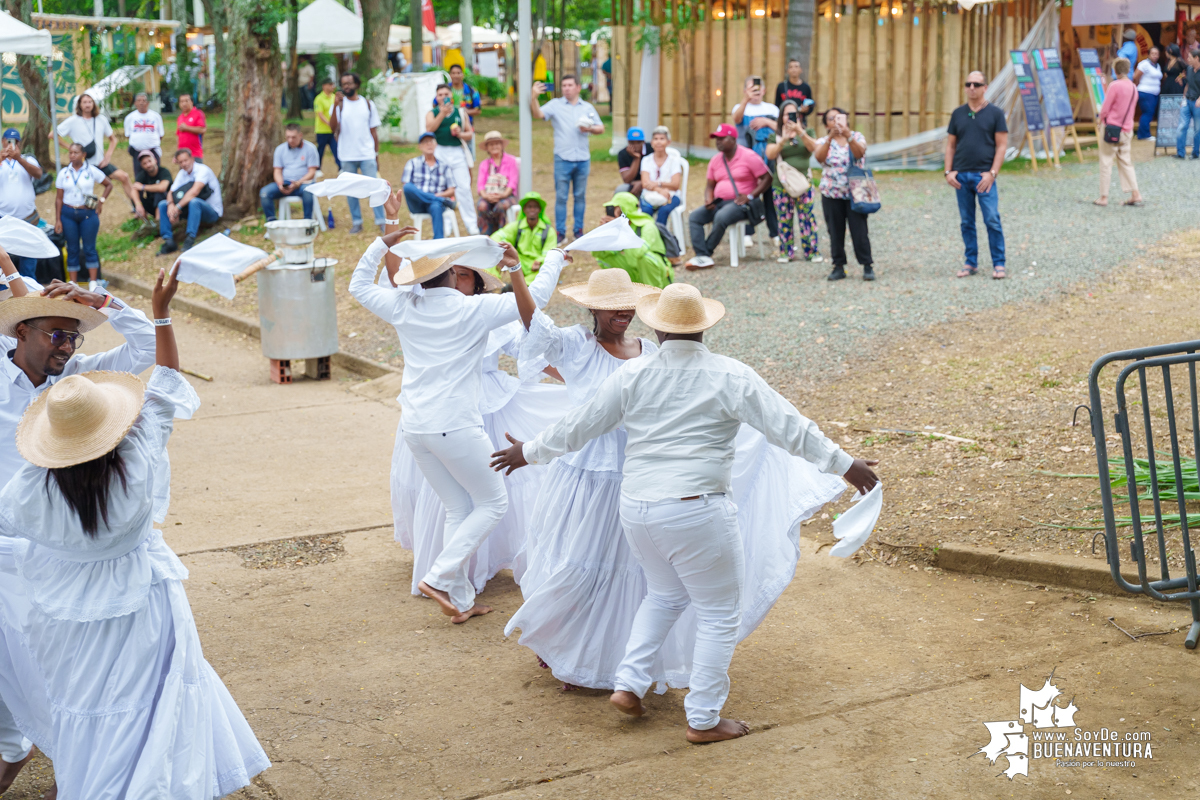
100,660
583,585
522,407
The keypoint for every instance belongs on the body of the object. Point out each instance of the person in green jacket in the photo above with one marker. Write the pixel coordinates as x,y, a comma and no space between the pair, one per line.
531,235
647,264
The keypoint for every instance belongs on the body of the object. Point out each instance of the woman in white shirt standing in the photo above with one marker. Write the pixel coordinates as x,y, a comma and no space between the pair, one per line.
90,128
1148,78
76,212
662,178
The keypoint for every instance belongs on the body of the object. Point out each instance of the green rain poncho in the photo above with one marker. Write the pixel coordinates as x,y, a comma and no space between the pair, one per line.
532,245
647,264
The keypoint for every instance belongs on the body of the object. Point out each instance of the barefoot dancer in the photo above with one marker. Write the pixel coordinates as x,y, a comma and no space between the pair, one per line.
583,586
682,408
99,655
444,335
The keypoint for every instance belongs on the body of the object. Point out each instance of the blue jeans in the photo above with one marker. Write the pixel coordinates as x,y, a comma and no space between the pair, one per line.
371,169
420,202
198,212
1149,104
80,225
271,193
1188,113
564,173
662,213
326,140
989,204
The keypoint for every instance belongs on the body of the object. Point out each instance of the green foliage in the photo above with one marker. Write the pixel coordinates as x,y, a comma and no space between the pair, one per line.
393,116
323,62
492,88
267,16
113,247
679,22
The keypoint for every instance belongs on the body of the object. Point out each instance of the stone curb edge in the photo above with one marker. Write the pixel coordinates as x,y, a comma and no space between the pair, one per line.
1075,573
349,361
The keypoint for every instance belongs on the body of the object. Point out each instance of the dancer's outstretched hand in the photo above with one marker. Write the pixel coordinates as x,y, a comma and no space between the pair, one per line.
510,458
395,236
510,257
861,476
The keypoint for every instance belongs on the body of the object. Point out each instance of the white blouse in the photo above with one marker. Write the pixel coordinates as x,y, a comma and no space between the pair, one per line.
584,364
77,183
669,169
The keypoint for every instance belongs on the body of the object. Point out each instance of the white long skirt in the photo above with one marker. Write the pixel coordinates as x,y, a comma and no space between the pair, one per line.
584,586
418,514
125,707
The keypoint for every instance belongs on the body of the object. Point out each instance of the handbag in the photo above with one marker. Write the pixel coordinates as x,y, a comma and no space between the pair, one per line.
755,207
89,149
177,194
653,199
864,193
1112,133
795,182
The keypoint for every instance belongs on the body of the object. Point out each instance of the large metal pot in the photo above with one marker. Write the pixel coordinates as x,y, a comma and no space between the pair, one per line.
297,310
294,238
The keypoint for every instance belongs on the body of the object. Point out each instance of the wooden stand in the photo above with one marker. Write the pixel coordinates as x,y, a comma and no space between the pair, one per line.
1075,139
1051,150
1032,152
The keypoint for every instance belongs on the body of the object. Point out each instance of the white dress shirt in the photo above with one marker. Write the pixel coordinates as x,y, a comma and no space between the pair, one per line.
77,184
444,336
203,174
682,407
17,391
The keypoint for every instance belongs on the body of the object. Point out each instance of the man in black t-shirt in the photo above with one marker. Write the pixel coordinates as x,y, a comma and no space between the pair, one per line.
977,138
629,162
794,88
151,182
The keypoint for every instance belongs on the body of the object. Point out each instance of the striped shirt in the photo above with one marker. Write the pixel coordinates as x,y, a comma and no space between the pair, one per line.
426,178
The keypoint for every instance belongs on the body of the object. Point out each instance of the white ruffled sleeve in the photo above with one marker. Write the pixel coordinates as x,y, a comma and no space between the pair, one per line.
169,396
540,346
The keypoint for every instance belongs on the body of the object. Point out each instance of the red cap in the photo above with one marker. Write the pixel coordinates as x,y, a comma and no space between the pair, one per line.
724,129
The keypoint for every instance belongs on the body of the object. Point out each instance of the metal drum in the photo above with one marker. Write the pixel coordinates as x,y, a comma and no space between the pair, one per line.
297,310
294,238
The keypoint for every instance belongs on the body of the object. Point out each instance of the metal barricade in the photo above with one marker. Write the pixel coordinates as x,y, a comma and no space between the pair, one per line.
1168,491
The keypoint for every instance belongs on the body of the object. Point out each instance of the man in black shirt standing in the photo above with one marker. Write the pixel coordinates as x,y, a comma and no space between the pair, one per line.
794,88
975,145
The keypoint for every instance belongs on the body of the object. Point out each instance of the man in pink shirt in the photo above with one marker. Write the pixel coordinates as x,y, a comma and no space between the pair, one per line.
726,201
190,127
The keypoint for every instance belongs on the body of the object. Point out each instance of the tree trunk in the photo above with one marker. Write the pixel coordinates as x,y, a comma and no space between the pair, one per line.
37,92
252,124
416,20
800,31
294,103
377,20
466,18
216,16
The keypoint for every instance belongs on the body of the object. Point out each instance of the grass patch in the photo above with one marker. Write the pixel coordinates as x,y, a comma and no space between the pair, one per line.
114,247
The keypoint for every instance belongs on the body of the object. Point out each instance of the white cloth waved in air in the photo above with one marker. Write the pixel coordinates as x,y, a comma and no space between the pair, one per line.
19,238
214,262
854,526
348,184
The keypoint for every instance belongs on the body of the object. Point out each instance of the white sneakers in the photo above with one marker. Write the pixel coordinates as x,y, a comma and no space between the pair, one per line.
699,262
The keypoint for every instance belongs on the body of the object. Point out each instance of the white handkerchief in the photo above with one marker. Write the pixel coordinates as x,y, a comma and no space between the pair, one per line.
214,262
19,238
349,184
481,252
611,236
854,526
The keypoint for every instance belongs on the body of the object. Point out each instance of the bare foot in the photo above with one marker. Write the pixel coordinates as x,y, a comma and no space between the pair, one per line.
627,703
51,793
441,597
725,729
475,611
9,772
1103,201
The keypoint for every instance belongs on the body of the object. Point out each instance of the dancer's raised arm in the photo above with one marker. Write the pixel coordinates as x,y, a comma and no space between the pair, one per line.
526,304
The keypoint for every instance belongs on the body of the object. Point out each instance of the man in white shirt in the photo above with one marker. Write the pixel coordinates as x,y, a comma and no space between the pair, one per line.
355,124
18,171
144,128
754,119
574,120
200,199
681,408
444,334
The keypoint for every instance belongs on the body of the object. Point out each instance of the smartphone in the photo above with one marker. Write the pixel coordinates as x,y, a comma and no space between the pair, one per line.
808,103
610,211
793,116
756,81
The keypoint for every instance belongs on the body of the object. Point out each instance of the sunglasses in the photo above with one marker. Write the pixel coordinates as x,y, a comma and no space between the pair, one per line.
974,85
60,337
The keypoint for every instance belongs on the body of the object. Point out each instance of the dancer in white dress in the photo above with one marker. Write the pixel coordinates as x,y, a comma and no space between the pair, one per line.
100,660
583,586
507,403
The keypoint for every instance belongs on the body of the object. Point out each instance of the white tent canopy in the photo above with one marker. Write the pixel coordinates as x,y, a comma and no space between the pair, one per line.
17,37
325,25
451,35
400,35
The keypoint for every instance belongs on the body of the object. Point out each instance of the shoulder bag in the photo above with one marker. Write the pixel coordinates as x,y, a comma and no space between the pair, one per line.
89,149
758,211
864,193
795,182
1112,133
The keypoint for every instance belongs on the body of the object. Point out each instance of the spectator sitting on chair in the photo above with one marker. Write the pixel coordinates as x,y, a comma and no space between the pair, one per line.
196,192
629,162
322,110
662,177
647,264
18,198
427,184
531,234
725,201
296,163
151,182
499,174
144,128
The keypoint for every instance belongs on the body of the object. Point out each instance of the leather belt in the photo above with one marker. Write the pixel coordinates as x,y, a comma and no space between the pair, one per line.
703,496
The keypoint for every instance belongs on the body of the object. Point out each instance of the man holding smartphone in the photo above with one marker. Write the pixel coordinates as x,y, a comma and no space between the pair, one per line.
755,119
574,120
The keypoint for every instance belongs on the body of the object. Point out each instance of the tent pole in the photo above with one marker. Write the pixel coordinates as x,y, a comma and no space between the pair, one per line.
524,87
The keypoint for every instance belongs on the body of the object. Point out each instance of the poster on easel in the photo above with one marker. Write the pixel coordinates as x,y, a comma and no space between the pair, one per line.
1034,120
1169,108
1093,76
1055,96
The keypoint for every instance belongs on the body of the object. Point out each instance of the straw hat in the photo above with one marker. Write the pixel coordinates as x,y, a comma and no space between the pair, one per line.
607,290
16,310
679,308
80,418
429,267
493,136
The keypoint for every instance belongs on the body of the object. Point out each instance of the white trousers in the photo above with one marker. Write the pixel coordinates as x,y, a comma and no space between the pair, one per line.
13,746
456,465
691,552
462,184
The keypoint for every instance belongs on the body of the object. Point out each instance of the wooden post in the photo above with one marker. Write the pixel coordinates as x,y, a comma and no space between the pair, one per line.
890,75
940,84
708,79
962,52
852,106
1032,153
1079,151
874,62
924,73
835,28
814,53
1051,149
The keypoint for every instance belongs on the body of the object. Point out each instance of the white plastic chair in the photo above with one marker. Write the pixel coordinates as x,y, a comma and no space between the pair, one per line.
449,224
736,234
675,220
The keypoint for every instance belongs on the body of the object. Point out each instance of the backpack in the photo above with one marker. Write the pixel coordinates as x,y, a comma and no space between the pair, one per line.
670,243
545,235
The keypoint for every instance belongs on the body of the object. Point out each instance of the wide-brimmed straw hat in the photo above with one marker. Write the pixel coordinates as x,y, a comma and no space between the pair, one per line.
607,290
16,310
429,267
493,136
679,308
80,418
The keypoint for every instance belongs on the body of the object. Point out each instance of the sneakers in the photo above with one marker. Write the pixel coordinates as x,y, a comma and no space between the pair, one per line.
839,273
168,247
868,273
815,258
356,227
783,260
188,243
91,286
748,240
699,262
